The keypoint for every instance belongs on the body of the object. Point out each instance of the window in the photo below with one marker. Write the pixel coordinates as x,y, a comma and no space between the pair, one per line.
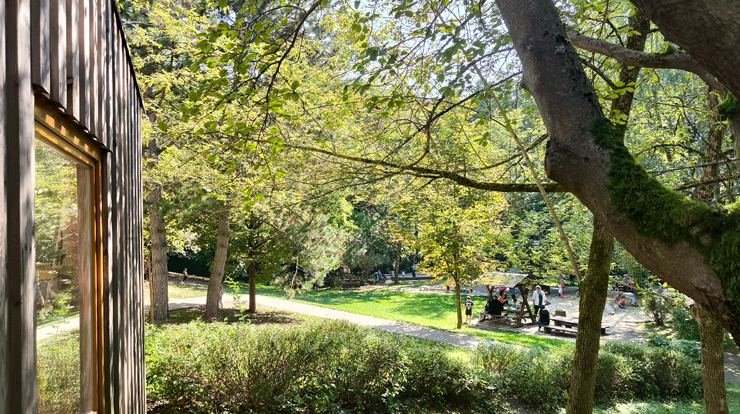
68,267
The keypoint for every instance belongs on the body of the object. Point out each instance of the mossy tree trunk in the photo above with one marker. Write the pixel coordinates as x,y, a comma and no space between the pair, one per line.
594,288
712,361
215,283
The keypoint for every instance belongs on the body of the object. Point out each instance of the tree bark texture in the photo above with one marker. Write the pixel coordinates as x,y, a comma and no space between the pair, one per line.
569,106
159,274
708,30
712,361
594,288
595,285
252,287
216,282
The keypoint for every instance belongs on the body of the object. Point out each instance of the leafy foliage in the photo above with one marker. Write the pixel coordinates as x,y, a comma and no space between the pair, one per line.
325,367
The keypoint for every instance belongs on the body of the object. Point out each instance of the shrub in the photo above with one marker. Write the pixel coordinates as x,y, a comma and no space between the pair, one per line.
688,348
534,376
656,308
650,372
685,325
318,367
541,379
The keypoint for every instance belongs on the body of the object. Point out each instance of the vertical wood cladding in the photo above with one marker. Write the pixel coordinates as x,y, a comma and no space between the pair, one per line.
79,67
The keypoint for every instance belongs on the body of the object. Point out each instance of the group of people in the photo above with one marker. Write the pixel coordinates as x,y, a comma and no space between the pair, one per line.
497,303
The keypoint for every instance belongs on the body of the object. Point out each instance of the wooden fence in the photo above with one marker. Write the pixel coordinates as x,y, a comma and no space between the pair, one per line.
67,62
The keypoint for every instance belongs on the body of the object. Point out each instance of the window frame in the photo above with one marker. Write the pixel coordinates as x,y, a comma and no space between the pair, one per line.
62,134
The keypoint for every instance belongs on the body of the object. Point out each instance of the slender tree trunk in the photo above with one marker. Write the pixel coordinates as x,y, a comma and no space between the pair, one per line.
711,331
713,150
459,302
215,283
398,263
712,361
159,306
594,288
252,287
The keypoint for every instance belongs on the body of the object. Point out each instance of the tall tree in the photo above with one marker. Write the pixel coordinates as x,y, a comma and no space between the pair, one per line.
690,245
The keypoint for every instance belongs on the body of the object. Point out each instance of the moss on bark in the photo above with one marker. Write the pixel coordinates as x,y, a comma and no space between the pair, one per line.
669,216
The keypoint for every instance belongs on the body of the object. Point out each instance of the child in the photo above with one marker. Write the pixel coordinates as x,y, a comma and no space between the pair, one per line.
633,299
469,310
619,301
544,318
561,287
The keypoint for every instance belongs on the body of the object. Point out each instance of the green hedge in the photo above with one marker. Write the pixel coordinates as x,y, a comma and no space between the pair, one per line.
624,371
333,367
317,367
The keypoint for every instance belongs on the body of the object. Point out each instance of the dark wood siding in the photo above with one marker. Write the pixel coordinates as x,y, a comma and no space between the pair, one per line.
79,67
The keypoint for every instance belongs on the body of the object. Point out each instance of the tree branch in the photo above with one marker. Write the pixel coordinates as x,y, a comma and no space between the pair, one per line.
627,57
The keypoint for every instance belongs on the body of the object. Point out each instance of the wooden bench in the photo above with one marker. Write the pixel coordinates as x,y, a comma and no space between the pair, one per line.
550,328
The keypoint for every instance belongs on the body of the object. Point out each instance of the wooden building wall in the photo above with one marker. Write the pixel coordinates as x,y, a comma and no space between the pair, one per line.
71,56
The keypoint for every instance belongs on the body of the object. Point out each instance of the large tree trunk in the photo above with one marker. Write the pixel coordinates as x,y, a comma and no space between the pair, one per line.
594,288
663,230
215,283
159,306
712,361
252,287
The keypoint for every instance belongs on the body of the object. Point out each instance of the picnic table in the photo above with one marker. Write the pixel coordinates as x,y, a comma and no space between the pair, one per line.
566,325
516,314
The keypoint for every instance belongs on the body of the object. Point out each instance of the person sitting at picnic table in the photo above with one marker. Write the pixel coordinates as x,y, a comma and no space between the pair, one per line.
539,299
512,293
627,280
544,318
494,306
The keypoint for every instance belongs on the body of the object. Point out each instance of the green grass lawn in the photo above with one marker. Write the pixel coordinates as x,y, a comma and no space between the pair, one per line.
177,289
424,309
